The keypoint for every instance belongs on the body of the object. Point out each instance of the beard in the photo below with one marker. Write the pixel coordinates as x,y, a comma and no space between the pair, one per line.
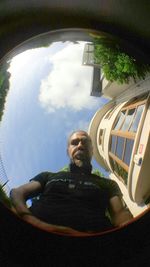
81,161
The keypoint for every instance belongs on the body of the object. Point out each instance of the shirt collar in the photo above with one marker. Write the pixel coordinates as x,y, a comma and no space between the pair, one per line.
75,169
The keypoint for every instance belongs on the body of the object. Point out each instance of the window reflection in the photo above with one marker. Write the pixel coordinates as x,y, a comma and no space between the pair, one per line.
136,120
120,146
128,151
128,119
120,120
113,143
119,170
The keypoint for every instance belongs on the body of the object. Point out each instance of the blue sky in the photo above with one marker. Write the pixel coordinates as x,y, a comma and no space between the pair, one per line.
49,97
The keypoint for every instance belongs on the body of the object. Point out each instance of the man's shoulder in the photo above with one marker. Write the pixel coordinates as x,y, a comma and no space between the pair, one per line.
50,173
103,180
99,178
108,185
43,175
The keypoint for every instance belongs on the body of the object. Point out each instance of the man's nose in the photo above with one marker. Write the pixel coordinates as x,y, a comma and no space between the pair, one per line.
80,145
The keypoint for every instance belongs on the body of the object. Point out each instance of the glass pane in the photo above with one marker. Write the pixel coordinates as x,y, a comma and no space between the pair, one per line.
122,173
136,120
120,145
88,56
120,120
128,119
128,151
113,143
119,170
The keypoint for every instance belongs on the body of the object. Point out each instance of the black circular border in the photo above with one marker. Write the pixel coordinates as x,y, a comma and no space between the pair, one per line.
22,244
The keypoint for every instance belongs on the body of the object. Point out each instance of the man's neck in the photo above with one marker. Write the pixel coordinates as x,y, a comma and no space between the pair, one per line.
85,168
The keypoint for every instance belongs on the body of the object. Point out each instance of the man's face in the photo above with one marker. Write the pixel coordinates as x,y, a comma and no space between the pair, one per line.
80,148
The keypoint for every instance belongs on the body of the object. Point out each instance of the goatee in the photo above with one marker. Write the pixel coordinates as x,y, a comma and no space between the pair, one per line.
81,163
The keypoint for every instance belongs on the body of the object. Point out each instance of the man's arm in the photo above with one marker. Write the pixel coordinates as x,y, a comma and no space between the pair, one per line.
20,195
119,214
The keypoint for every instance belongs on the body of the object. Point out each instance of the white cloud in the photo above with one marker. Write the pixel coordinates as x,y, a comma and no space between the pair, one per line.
69,83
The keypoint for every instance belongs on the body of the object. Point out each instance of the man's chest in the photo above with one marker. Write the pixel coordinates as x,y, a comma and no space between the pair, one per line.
75,187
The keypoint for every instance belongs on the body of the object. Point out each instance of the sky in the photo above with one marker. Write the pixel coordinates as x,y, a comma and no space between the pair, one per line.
49,97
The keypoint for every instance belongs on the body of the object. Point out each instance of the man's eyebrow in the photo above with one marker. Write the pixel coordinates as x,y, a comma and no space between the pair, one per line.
75,139
82,138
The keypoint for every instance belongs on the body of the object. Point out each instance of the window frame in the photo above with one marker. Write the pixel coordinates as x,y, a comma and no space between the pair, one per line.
127,134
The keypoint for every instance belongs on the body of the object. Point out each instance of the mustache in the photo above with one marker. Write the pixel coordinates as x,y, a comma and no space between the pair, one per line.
79,149
80,152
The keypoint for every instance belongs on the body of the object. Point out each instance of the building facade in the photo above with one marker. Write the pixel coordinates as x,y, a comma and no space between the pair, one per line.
120,132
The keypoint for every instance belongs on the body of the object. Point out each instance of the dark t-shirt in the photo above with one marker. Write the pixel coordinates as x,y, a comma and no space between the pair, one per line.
75,200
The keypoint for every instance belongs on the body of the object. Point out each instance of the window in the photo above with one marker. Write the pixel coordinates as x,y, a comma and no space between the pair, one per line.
113,143
128,151
119,147
120,172
128,119
122,137
136,120
120,119
110,112
88,55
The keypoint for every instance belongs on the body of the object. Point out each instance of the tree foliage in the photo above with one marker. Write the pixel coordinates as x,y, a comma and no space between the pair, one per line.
97,172
65,169
115,63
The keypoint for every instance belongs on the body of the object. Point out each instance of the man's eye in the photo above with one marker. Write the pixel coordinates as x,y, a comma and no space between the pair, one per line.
85,142
74,143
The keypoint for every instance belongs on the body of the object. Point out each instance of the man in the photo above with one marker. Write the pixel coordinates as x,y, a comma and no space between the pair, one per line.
73,202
